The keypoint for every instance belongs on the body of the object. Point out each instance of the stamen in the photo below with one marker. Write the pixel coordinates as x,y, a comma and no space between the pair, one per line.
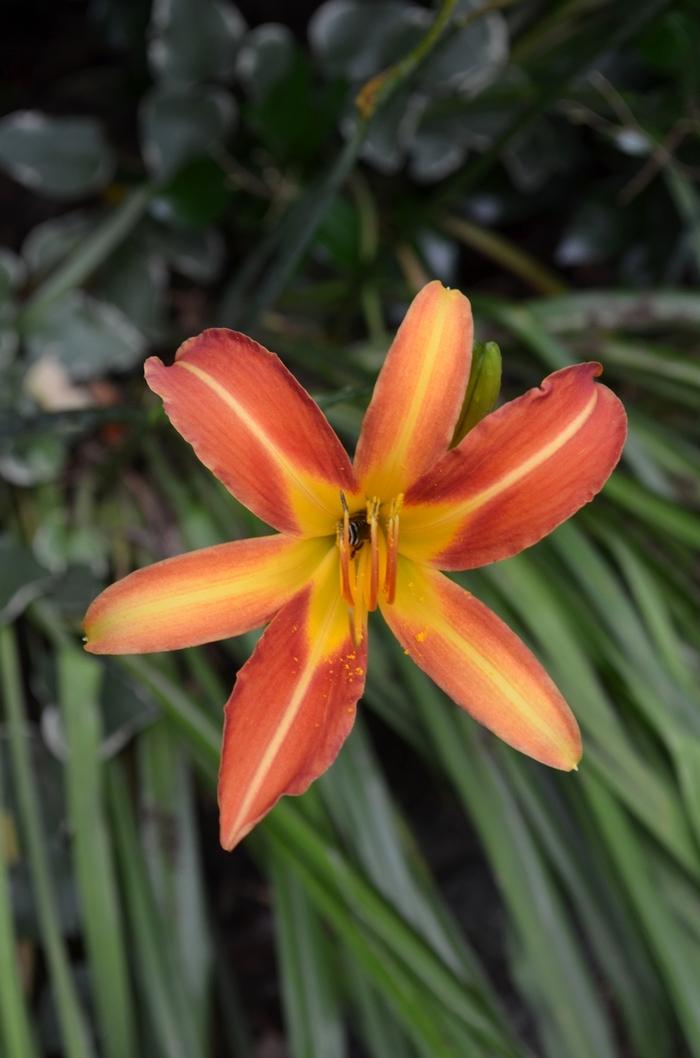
344,549
373,506
392,547
359,613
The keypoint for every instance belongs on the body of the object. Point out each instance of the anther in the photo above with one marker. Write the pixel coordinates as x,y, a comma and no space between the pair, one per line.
392,547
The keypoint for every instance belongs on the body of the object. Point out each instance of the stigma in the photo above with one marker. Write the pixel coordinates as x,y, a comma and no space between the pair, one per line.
368,542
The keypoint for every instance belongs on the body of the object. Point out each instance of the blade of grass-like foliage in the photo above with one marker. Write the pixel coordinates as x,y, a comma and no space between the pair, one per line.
428,998
74,1032
15,1030
651,603
667,693
387,699
680,894
202,737
313,1017
661,463
265,274
172,1020
676,459
651,360
687,758
378,1028
687,203
235,1028
403,993
79,677
661,515
677,955
505,254
571,1019
521,323
607,747
573,847
336,883
366,821
599,583
376,837
172,855
606,310
92,252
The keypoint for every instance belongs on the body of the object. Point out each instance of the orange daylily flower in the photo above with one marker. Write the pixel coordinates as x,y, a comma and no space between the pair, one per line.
354,537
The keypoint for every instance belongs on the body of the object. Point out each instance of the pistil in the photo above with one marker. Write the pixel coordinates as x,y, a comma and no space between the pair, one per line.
373,506
392,547
343,539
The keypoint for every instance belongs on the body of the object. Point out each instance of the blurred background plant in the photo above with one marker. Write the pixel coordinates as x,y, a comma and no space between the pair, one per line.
169,167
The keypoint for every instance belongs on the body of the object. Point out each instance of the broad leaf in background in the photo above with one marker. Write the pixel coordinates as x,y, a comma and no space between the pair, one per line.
57,157
194,40
178,124
12,273
89,337
428,121
264,58
50,242
22,578
356,39
134,281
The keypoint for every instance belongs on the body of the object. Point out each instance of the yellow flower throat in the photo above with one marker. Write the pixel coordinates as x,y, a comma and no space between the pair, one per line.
365,571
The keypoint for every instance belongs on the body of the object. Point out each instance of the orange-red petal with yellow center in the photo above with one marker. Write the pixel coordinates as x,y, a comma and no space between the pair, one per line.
483,666
201,596
521,472
292,707
257,429
419,392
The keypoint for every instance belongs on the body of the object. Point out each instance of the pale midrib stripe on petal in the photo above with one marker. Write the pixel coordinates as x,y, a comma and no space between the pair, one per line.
458,511
290,714
409,420
509,691
255,428
239,589
242,587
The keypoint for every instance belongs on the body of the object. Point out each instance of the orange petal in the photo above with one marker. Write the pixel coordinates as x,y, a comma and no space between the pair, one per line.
256,428
521,472
201,596
482,665
418,395
292,706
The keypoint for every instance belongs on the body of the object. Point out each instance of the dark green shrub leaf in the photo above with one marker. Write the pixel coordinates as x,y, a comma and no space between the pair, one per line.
194,40
178,124
58,157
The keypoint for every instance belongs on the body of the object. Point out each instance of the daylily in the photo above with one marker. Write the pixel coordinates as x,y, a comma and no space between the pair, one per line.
354,537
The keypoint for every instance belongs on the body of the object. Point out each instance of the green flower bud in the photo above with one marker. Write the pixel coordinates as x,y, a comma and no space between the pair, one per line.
482,389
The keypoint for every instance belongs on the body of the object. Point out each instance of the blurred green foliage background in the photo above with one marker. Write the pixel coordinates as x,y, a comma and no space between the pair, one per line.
191,163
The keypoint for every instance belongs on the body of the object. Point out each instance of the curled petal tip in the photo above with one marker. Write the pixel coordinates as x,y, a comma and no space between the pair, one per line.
521,472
